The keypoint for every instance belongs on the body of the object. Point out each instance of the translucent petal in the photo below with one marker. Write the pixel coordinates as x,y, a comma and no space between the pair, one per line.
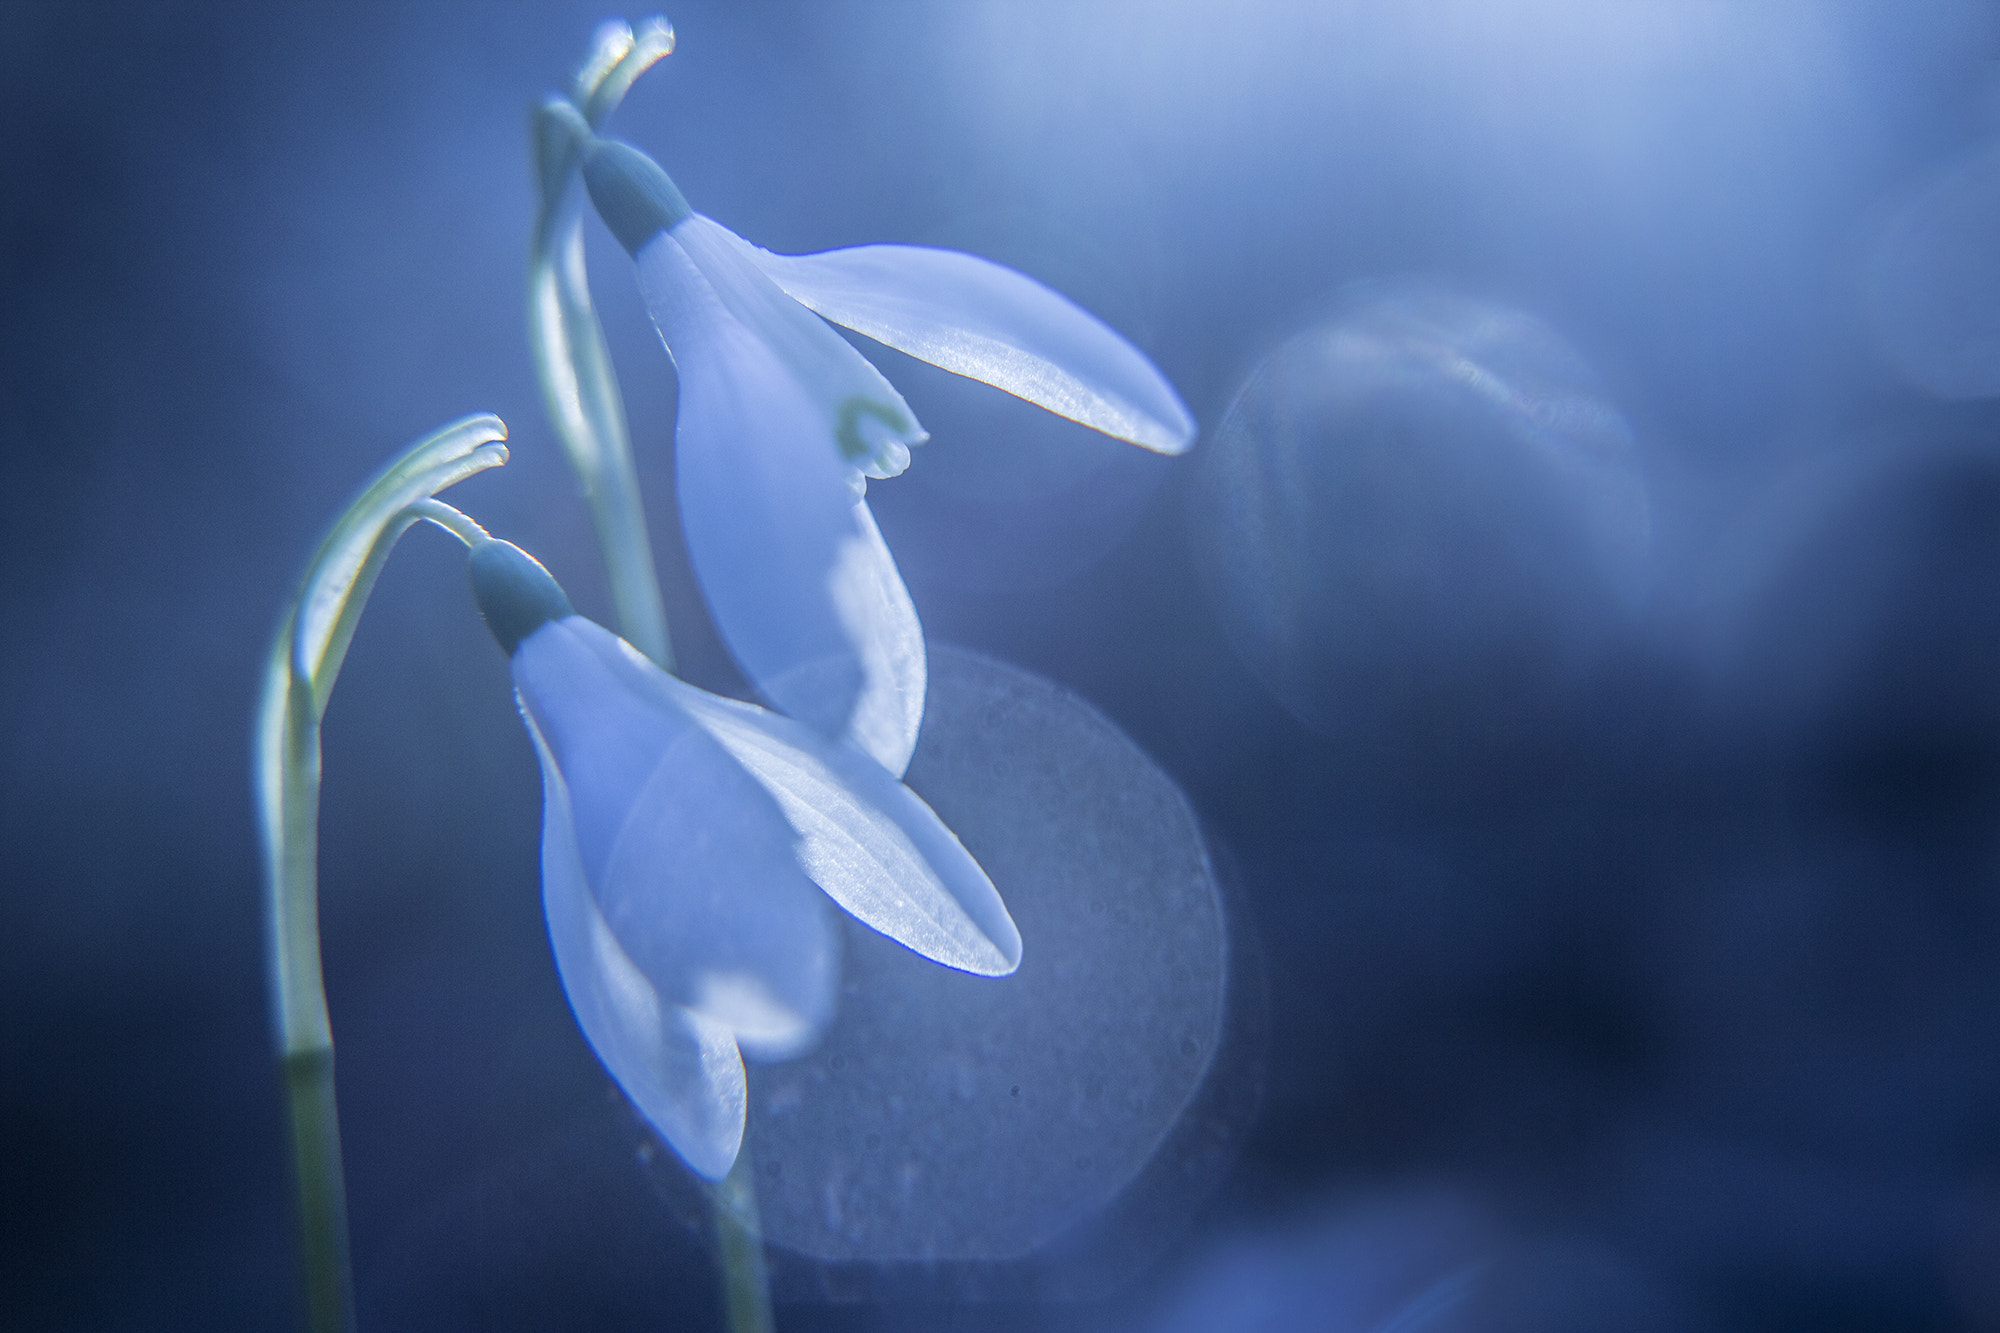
978,319
687,858
864,837
875,607
871,425
681,1070
795,575
871,842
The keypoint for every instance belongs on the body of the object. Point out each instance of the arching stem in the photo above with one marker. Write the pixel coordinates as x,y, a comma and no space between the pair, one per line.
305,659
566,339
458,523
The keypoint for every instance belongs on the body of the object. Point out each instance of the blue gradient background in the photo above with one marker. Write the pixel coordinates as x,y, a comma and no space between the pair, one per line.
1697,980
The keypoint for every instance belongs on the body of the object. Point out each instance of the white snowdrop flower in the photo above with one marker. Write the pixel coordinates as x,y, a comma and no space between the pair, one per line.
780,420
682,839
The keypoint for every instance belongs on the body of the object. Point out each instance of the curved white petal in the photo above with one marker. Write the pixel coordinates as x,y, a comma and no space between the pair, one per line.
795,575
680,1069
979,319
868,421
864,837
881,620
686,857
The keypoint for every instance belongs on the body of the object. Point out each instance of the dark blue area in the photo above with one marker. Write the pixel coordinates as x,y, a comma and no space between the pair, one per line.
1696,977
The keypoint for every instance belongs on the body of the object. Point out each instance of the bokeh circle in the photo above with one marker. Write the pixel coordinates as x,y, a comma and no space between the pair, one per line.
1420,519
947,1117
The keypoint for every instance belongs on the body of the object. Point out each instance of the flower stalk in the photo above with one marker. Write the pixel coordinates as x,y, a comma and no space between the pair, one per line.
305,659
746,1286
566,338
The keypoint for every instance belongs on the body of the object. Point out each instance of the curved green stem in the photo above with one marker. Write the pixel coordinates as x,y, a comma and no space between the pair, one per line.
458,523
566,339
305,659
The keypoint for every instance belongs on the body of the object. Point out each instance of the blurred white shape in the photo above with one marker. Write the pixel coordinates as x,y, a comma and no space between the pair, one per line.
1422,513
1932,286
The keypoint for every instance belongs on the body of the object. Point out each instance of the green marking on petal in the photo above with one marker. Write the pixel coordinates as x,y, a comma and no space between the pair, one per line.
847,428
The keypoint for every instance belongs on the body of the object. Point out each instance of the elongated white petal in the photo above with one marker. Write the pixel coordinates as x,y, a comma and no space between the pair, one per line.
687,858
795,575
881,621
979,319
871,842
680,1069
864,837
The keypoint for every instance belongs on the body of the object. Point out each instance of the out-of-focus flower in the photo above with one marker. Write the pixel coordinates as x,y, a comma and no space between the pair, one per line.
780,420
682,838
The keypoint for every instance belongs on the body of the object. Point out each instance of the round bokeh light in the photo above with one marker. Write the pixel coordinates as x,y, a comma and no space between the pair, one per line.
1421,519
948,1117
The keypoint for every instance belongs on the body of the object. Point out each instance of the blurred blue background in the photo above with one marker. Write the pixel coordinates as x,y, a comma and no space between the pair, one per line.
1578,631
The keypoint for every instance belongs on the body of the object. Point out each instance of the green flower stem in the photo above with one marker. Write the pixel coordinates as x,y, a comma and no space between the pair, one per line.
746,1287
567,340
322,1193
581,391
459,524
305,659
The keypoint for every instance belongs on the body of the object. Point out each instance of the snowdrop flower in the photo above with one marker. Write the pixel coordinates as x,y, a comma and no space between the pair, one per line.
780,420
682,839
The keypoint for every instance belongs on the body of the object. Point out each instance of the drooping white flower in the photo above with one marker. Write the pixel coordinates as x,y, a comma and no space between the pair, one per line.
682,839
780,419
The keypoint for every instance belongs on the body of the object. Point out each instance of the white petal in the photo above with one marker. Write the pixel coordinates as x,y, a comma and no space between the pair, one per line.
976,318
864,837
794,572
687,858
681,1070
865,418
881,621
